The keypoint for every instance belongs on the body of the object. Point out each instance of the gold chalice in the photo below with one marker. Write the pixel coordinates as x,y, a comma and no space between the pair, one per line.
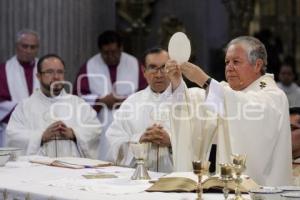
225,177
239,166
200,168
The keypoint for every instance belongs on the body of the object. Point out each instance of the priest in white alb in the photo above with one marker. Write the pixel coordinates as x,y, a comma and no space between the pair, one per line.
17,76
51,122
252,112
145,117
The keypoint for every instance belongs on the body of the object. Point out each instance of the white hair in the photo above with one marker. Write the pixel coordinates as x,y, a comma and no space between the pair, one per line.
26,31
255,50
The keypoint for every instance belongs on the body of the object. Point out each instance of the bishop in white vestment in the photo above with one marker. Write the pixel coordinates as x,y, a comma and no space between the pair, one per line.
252,112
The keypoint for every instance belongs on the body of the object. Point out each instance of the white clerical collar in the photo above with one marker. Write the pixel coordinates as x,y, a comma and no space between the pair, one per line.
51,99
160,96
261,82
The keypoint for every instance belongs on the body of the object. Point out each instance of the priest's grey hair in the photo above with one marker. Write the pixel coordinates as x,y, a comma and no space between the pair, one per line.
26,31
255,50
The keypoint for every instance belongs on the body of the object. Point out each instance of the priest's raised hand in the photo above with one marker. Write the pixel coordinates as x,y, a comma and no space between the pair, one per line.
173,72
194,73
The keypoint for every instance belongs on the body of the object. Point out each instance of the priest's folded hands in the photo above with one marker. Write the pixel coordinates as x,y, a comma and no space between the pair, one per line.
58,130
156,134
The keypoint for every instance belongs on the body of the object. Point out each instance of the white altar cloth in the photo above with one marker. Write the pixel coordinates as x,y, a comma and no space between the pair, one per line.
24,181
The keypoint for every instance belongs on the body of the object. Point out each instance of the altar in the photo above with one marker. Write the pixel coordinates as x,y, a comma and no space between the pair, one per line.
30,181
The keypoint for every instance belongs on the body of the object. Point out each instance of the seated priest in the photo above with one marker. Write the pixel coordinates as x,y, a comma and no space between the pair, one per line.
111,71
51,122
145,117
17,76
137,121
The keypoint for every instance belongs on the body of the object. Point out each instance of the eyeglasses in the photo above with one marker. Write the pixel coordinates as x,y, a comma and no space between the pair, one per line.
51,72
26,46
154,69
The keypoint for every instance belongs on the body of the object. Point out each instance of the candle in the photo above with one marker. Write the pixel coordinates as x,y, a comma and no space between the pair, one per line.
239,160
200,167
226,171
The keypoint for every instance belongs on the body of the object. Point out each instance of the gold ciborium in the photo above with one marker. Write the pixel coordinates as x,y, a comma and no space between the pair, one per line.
200,168
140,153
225,177
239,166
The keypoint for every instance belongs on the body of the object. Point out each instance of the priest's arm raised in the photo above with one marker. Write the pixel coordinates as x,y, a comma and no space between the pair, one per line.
193,127
253,120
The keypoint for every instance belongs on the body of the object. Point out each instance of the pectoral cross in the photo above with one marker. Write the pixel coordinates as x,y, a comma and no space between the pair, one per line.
262,84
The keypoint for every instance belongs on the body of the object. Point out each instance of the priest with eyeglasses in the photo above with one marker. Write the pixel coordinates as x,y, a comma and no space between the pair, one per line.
51,122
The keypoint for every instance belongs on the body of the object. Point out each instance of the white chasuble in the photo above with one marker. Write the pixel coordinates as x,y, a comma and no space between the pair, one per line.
255,122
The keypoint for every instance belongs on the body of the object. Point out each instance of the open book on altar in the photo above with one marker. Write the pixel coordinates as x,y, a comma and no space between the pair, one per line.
70,162
187,182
